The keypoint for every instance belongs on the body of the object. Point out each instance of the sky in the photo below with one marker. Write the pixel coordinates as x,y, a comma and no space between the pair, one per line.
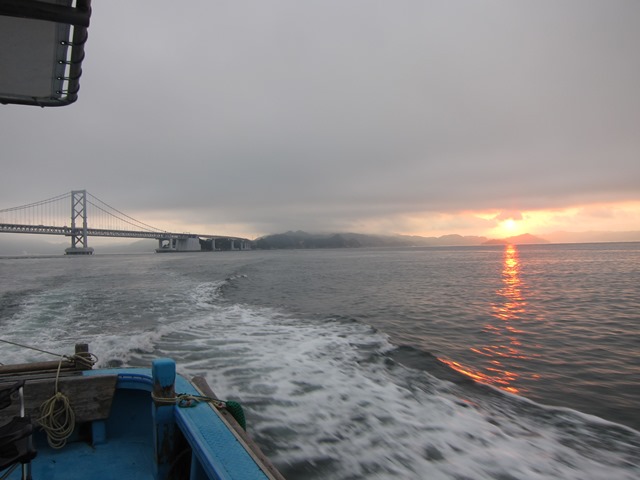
245,118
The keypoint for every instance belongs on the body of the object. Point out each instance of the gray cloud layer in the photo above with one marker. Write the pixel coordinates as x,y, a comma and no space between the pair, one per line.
331,114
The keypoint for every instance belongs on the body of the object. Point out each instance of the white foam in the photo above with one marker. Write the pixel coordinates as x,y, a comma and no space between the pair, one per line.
322,393
314,394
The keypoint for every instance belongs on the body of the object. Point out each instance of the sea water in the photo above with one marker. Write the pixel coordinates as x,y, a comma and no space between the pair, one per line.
514,362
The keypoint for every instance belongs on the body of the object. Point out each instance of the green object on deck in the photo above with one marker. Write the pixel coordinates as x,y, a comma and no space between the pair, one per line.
236,411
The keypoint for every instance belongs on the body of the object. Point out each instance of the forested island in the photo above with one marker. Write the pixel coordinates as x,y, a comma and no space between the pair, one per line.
300,239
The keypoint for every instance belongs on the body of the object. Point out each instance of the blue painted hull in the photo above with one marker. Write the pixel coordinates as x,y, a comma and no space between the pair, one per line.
143,440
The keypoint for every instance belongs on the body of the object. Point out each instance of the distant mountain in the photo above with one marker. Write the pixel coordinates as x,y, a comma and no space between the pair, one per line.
524,239
300,239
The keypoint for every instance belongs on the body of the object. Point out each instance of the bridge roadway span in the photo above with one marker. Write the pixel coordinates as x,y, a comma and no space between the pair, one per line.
175,239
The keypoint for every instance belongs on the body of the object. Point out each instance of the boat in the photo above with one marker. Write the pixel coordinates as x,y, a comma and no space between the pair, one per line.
65,420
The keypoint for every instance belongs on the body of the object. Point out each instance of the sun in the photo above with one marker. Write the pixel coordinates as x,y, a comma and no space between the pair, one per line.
509,225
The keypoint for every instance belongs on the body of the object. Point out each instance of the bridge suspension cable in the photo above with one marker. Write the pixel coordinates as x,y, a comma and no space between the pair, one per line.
52,211
126,219
56,212
36,204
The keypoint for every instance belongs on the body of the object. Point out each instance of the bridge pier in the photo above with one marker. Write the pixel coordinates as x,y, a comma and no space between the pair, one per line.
78,251
78,234
189,244
197,244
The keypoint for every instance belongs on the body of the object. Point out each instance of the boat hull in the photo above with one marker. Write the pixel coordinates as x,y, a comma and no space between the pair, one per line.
147,435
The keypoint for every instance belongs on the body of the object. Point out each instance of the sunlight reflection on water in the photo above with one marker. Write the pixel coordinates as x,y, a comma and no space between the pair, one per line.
506,336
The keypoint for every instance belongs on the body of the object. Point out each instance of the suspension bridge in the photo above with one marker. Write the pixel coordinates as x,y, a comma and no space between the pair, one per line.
68,214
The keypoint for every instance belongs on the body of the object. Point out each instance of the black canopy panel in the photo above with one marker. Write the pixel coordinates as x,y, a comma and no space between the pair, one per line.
41,50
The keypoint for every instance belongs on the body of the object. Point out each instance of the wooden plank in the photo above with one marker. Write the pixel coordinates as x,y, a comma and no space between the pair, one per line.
90,397
41,374
251,446
21,368
81,360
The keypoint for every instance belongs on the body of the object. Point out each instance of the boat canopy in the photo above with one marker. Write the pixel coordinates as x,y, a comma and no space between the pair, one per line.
42,50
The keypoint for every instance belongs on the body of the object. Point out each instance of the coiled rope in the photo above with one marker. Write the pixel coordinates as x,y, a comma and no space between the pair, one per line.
57,417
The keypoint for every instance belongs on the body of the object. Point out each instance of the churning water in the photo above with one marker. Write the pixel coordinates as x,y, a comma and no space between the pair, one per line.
359,363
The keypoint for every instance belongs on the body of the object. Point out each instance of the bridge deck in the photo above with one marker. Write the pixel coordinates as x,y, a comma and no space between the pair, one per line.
98,232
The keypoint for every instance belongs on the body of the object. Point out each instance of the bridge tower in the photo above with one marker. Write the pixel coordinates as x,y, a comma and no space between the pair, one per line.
79,233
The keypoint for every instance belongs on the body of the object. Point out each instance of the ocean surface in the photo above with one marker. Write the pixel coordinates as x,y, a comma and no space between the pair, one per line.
417,363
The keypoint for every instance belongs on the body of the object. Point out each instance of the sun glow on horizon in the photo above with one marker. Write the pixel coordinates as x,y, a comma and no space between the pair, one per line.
510,226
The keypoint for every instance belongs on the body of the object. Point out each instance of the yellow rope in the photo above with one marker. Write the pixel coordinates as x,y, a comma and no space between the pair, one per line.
186,400
57,418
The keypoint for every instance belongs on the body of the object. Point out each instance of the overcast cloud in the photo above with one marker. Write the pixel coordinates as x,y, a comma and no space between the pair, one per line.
260,116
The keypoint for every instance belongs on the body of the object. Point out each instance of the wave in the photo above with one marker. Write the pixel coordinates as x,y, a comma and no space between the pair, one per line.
330,397
334,398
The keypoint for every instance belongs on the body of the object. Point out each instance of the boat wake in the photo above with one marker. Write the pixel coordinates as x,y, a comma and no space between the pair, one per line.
333,398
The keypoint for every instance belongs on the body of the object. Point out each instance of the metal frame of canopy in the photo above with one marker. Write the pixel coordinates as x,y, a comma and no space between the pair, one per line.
41,50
